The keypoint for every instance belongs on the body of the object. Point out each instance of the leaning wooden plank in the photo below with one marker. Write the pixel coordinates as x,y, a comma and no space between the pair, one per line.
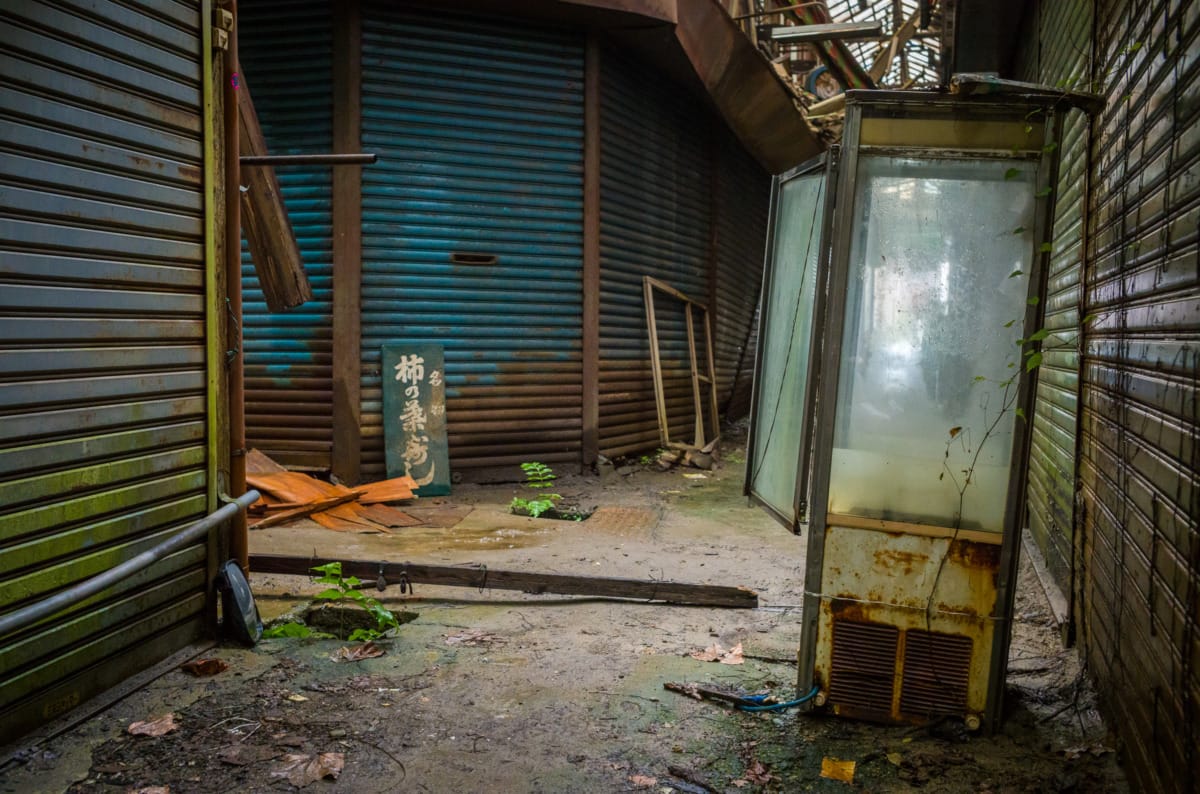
259,463
265,223
530,582
283,517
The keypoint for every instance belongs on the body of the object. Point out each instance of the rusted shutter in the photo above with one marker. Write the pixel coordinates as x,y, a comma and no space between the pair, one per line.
285,48
103,425
743,193
655,210
1139,457
473,227
1064,29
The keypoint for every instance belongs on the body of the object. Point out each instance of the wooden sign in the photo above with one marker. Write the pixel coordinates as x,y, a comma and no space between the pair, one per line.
414,416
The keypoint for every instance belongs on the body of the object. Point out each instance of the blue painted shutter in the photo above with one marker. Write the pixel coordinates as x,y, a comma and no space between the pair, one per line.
655,210
285,49
479,129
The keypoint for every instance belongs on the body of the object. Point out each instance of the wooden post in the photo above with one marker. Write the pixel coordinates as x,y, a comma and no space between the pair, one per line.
591,253
264,218
347,242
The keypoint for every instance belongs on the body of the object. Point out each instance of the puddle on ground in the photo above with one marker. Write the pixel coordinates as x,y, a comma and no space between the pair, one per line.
418,540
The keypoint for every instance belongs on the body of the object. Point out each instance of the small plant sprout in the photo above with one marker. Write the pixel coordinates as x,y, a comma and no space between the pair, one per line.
345,588
538,476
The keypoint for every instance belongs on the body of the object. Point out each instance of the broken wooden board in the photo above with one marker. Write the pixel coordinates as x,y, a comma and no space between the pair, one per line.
526,581
259,463
396,489
265,223
305,510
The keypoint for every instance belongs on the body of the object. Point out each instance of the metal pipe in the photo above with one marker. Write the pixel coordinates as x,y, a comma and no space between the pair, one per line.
27,616
362,158
238,539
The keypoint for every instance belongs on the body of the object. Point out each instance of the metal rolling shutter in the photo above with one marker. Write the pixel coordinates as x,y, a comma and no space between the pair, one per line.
1139,453
479,129
102,347
743,196
286,49
1065,32
655,208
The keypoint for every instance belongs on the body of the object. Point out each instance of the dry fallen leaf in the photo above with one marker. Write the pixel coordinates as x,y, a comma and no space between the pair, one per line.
297,698
642,781
155,727
354,653
152,790
734,656
300,770
836,769
204,667
895,759
715,653
757,773
740,783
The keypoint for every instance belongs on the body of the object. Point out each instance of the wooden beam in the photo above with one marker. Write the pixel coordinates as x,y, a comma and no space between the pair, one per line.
590,442
481,577
894,46
265,223
346,455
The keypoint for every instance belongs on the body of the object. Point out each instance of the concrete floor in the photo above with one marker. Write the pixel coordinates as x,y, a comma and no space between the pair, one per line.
493,691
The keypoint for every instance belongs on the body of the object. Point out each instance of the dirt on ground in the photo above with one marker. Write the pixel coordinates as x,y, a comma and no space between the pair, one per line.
493,691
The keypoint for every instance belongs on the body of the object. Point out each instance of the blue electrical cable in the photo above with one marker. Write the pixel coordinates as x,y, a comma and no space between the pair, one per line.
778,706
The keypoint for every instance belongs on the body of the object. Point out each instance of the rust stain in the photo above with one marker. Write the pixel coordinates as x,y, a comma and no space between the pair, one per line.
189,172
983,556
842,608
895,559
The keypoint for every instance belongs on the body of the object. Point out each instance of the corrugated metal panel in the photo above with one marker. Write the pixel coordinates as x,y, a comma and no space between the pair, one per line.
743,195
286,50
479,128
1064,29
1139,462
655,210
102,343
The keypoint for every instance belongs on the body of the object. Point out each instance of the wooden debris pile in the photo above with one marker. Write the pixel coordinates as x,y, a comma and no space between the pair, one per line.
291,495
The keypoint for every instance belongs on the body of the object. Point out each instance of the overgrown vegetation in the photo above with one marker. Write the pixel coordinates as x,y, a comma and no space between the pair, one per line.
537,476
342,589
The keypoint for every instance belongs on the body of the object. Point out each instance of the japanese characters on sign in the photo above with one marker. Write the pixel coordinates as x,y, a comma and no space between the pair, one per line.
414,407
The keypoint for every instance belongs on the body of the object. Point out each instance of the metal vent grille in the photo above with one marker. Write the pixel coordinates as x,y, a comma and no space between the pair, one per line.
863,669
936,674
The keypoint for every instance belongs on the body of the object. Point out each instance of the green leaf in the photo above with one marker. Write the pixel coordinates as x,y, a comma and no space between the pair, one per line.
1034,300
1050,147
1019,230
1009,324
1012,173
355,595
363,635
329,569
331,594
1033,362
1016,273
292,629
1045,248
1020,412
1046,191
352,581
979,378
1087,319
1038,336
